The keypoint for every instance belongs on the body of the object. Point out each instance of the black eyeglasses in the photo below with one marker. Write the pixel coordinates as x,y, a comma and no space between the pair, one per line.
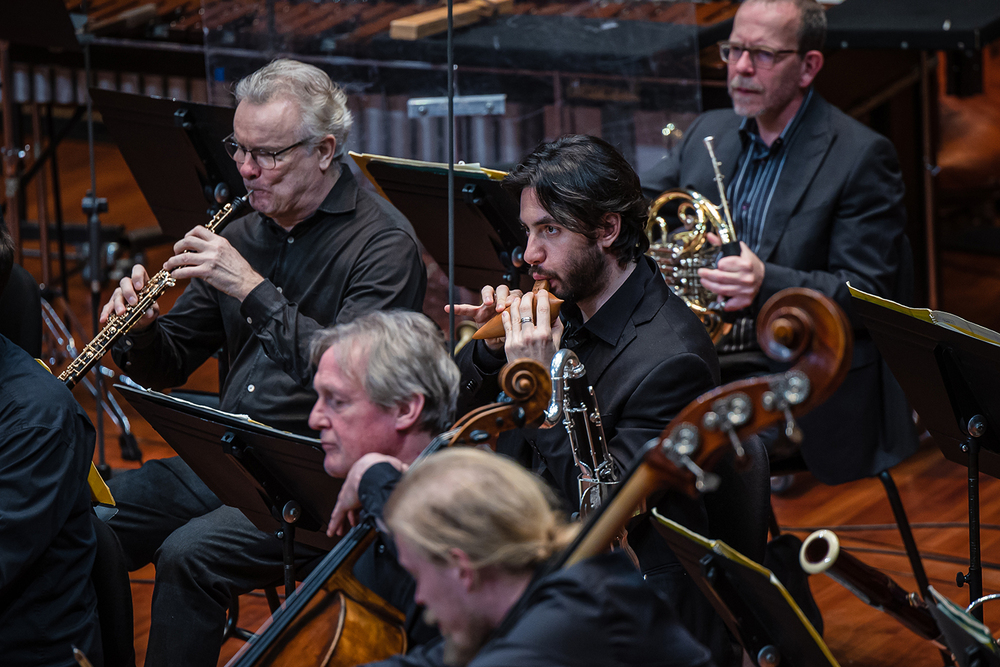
761,57
263,159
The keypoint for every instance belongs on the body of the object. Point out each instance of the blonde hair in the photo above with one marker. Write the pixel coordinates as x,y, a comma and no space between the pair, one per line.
488,506
322,103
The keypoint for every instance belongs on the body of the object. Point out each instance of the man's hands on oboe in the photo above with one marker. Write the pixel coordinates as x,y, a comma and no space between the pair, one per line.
206,255
127,295
200,254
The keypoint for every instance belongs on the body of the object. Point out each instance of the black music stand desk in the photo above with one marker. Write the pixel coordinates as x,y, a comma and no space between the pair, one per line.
948,369
489,241
174,150
274,477
753,603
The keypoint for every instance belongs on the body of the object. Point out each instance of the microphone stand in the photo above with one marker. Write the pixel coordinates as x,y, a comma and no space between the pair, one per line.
92,207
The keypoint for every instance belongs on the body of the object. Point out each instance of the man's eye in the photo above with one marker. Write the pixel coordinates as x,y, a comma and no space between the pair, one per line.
551,229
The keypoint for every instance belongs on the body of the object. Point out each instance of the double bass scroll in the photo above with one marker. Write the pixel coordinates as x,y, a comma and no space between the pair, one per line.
796,325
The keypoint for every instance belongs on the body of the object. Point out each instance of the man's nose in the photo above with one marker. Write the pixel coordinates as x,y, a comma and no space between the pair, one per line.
248,168
532,252
315,418
744,64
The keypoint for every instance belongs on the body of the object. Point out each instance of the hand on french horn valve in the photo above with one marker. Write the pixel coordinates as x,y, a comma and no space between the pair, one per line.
127,294
735,279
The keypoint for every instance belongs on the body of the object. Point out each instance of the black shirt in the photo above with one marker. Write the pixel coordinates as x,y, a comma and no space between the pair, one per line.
47,600
357,253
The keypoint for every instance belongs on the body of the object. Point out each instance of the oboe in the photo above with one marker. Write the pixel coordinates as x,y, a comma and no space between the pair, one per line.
119,325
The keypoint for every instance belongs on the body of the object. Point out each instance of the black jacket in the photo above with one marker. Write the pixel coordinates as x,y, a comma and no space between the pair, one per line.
837,216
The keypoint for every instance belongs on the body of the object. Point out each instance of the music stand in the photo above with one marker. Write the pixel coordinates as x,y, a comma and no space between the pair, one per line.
751,601
488,232
274,477
949,378
174,150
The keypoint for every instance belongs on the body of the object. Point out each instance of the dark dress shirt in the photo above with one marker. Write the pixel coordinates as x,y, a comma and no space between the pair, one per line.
750,194
378,567
357,253
47,600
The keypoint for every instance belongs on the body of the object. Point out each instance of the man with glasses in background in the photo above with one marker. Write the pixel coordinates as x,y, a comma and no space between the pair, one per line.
317,251
817,201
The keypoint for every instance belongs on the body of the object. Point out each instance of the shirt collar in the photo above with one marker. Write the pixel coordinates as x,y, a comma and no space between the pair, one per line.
342,198
749,133
609,321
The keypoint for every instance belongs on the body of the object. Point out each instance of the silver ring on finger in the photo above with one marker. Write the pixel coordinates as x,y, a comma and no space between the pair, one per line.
525,320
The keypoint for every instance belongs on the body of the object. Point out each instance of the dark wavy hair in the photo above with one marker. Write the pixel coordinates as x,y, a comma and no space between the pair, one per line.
578,179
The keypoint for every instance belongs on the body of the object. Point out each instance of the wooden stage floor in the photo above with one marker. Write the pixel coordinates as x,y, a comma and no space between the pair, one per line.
933,489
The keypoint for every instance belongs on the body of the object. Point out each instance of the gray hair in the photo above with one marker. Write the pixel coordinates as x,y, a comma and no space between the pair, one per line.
322,103
395,355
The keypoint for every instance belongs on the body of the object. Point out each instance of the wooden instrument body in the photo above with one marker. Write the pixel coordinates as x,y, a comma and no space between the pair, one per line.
821,552
344,624
494,328
334,620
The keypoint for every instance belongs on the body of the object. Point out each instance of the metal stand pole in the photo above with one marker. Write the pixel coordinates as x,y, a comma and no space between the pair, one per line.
91,206
290,514
974,578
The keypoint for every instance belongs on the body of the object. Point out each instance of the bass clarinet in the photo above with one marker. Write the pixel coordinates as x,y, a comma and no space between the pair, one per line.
119,325
573,398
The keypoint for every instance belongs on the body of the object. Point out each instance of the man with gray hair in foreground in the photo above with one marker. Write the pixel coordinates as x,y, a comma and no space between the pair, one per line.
475,530
317,251
386,387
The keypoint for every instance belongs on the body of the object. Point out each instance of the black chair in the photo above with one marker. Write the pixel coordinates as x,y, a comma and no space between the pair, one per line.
21,312
114,598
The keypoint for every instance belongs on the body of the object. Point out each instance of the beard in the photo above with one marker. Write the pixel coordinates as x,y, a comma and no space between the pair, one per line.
460,649
583,278
741,108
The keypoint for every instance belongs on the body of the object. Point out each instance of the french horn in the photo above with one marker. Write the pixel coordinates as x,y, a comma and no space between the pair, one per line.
680,253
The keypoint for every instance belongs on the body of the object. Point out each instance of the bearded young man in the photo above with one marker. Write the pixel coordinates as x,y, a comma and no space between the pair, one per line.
647,356
817,201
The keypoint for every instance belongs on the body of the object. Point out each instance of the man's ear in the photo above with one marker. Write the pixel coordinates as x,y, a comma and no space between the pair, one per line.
326,149
607,232
467,574
408,412
812,63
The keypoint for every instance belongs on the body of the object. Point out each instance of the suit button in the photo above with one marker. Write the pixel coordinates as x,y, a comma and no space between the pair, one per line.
470,385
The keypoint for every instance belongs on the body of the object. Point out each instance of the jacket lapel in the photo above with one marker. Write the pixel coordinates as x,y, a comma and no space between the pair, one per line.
727,149
805,155
603,355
